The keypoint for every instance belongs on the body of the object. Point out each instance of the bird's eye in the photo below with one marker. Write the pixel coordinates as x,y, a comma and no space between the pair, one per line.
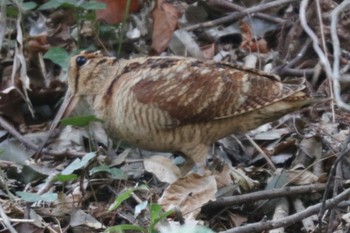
81,60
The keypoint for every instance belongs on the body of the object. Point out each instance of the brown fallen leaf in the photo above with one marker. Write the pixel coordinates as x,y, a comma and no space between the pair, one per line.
163,168
224,178
115,10
299,176
243,180
165,17
249,42
189,193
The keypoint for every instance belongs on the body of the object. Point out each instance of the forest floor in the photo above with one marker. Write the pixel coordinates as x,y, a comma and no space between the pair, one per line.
289,175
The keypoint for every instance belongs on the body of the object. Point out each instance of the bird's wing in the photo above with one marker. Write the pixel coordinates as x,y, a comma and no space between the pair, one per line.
193,91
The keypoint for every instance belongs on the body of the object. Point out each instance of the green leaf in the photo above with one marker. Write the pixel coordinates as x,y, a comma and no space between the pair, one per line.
115,172
66,178
58,56
27,6
93,6
80,120
123,227
125,195
78,163
118,174
11,11
33,197
156,211
157,215
102,168
120,198
53,4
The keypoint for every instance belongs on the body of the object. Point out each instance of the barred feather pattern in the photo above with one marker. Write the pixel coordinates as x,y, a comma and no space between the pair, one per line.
179,104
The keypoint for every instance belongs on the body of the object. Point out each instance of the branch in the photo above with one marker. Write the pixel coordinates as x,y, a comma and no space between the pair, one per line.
266,194
267,225
238,15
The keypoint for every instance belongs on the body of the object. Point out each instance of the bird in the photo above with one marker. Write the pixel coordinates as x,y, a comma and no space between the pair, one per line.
181,105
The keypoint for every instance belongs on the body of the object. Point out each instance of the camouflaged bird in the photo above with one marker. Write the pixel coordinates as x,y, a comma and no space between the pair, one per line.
179,104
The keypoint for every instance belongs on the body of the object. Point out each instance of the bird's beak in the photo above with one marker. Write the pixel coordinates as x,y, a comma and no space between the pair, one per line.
69,103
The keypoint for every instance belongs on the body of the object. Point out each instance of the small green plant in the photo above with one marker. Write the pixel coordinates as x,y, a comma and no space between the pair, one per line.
80,120
156,215
155,211
59,56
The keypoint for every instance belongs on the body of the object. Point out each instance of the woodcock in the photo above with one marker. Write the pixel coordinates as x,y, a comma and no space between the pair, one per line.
177,104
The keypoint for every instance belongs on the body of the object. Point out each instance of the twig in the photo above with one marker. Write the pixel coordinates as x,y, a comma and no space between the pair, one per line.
237,15
281,211
266,225
340,156
321,25
258,148
295,60
231,6
50,181
308,223
6,221
332,74
66,101
265,194
3,22
337,177
323,41
297,72
20,220
336,52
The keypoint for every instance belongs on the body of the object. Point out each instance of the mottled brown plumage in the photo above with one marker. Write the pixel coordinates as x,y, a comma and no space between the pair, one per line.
179,104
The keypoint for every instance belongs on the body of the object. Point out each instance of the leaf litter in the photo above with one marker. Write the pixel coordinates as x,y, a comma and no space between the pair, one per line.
303,146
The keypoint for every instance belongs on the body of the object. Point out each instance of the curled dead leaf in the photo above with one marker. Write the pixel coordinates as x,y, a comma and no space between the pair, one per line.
224,178
189,193
163,168
165,17
245,182
299,176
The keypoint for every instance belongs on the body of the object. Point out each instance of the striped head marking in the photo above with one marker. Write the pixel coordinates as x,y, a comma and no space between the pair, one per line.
88,72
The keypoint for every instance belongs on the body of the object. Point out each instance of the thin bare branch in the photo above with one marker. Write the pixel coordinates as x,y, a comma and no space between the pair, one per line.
264,195
238,15
267,225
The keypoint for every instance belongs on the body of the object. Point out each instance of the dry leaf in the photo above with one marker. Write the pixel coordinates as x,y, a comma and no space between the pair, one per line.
249,42
224,178
163,168
115,10
165,18
297,176
189,193
240,178
64,205
38,43
79,217
237,218
183,44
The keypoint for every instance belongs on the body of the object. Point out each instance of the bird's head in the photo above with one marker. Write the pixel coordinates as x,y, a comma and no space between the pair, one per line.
88,72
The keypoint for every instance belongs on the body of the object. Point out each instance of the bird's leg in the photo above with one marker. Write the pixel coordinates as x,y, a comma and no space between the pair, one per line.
187,166
197,156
